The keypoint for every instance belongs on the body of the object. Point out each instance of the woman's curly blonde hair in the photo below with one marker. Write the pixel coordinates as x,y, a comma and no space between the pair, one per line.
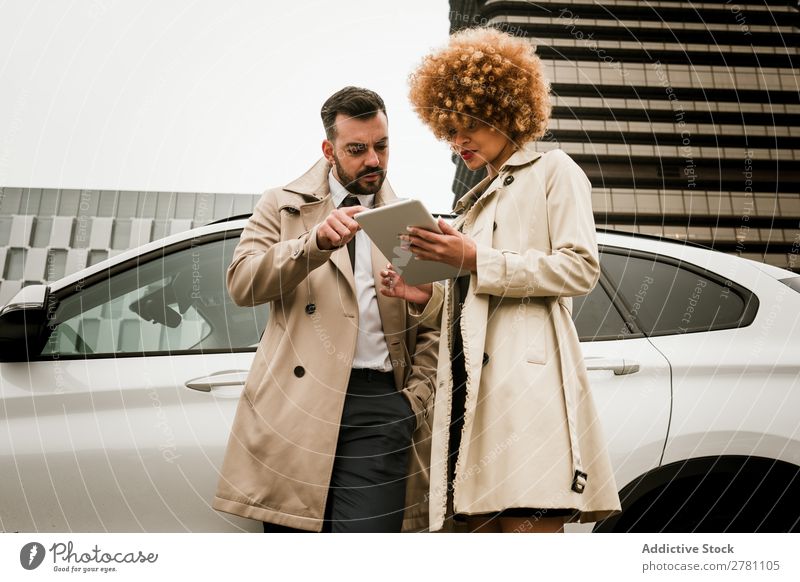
486,75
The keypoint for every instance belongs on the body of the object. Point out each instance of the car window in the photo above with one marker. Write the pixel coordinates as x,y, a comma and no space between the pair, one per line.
596,318
665,297
175,302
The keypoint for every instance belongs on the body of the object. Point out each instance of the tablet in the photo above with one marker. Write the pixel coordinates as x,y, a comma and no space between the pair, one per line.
384,224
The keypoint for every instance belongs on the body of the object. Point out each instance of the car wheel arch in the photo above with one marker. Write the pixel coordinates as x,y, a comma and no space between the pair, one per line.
652,501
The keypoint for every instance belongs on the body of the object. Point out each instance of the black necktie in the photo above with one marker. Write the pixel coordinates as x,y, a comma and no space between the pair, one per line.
351,200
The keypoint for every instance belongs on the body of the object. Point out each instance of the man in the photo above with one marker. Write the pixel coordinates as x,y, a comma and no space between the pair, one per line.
331,431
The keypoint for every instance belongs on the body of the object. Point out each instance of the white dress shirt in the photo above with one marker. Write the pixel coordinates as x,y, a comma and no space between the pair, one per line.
371,349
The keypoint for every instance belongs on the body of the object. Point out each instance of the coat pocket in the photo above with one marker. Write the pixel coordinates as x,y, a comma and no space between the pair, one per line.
535,331
264,362
291,222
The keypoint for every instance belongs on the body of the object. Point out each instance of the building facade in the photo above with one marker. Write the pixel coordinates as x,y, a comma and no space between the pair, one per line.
684,115
47,233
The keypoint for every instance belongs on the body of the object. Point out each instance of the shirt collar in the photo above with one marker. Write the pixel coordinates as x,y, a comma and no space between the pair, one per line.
339,193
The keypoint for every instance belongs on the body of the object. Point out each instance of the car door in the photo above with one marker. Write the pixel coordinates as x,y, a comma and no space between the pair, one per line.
726,375
121,423
629,377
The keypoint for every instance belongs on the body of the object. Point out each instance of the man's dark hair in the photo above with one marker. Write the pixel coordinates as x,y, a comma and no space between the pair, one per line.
352,102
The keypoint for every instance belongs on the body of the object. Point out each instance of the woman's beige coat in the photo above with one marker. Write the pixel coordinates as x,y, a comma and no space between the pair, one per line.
530,427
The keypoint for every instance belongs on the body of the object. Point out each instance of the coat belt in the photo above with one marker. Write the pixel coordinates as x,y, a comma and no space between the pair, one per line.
569,387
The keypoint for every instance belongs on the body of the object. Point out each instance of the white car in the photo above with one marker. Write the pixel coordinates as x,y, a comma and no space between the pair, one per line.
119,385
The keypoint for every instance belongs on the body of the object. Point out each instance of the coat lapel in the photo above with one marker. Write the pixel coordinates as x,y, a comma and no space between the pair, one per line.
313,213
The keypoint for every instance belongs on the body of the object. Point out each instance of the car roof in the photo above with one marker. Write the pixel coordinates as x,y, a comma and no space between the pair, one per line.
709,259
727,265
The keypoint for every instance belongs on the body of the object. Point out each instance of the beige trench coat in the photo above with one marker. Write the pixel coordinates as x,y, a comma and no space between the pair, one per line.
530,421
280,454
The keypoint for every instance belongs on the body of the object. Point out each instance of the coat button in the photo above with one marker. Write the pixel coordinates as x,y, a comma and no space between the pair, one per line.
485,358
311,308
299,371
508,180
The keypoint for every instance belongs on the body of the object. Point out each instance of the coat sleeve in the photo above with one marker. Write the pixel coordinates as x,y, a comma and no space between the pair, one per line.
432,310
263,266
572,267
421,384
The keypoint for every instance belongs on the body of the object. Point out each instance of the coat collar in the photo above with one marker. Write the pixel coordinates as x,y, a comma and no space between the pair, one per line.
314,183
523,156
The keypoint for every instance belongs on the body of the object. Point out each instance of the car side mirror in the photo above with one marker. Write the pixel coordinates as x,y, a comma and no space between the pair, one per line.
23,324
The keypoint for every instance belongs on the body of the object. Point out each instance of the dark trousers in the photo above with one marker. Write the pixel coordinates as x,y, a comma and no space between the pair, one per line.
368,483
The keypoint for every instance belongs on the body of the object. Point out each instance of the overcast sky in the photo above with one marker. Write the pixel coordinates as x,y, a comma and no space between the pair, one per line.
205,96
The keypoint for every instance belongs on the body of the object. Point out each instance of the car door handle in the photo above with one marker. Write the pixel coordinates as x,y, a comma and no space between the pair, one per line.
619,366
217,379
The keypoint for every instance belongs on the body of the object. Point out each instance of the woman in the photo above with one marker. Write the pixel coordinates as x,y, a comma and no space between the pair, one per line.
516,441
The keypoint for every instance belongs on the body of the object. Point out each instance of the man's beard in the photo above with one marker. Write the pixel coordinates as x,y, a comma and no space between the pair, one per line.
352,184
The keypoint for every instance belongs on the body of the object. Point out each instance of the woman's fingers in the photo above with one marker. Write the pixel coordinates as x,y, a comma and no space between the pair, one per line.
416,243
431,246
424,249
424,234
424,255
446,228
